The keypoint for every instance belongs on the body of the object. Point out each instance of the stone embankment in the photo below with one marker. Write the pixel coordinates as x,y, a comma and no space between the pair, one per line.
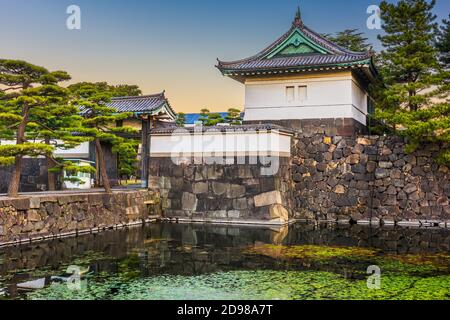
369,179
40,217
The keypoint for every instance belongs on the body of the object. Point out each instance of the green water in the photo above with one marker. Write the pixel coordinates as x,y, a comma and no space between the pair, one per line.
302,262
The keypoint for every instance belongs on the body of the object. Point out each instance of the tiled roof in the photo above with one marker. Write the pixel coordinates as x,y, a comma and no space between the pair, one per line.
139,104
148,104
334,55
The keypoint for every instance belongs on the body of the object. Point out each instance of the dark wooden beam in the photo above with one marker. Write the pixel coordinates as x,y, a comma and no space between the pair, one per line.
145,152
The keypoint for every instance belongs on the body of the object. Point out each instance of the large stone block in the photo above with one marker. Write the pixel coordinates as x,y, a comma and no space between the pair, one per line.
234,214
188,201
240,204
235,191
33,216
20,204
381,173
35,203
200,187
268,198
278,211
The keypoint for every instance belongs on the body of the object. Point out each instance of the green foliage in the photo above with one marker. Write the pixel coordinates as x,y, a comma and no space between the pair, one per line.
412,100
443,43
409,59
209,119
8,153
350,39
127,157
98,123
214,119
425,126
304,272
122,90
204,115
234,116
18,74
33,109
181,119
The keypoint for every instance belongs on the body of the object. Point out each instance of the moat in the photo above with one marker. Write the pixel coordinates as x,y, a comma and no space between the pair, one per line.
184,262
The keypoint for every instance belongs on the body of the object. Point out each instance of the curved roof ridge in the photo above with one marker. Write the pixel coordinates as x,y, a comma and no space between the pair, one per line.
262,52
156,95
311,35
332,44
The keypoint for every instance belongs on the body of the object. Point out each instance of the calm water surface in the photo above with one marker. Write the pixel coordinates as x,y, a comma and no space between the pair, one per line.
175,261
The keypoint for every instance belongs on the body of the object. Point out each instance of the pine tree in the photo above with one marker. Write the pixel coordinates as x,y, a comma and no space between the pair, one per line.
98,124
443,43
27,90
181,119
121,90
204,113
214,119
53,125
350,39
127,157
412,100
409,59
234,116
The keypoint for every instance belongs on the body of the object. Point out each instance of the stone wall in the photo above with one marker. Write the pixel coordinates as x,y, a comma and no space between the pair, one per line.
368,179
34,176
394,239
224,193
49,216
342,126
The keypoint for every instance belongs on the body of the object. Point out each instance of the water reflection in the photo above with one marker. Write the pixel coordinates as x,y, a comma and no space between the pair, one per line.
194,250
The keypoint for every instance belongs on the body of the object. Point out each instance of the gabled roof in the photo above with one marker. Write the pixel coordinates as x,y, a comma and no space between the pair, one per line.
299,49
143,105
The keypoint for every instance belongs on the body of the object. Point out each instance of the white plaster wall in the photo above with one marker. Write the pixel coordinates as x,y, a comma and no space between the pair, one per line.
231,143
80,151
328,96
359,97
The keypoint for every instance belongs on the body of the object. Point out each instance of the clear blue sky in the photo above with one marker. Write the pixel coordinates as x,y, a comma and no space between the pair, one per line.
166,44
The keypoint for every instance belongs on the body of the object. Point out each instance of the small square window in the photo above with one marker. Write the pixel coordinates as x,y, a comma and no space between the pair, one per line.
302,93
290,94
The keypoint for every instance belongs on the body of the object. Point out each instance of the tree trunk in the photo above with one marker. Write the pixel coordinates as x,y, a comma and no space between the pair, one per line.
412,106
13,189
50,175
102,164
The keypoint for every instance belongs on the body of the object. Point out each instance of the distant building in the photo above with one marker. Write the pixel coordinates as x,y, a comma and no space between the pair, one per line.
150,111
304,79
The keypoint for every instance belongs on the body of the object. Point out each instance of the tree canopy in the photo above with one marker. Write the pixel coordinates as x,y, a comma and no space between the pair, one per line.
29,95
443,43
99,122
234,116
413,98
350,39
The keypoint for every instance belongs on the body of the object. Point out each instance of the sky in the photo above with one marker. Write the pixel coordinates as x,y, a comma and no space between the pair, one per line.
167,45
